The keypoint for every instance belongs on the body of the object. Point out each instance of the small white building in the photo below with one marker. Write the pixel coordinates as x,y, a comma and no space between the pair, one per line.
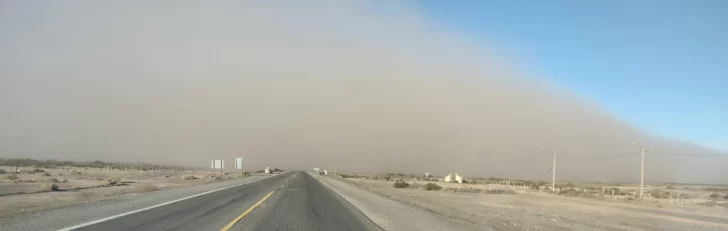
448,178
267,170
458,178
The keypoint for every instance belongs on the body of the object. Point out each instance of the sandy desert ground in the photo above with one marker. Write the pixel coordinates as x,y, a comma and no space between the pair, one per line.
46,188
512,208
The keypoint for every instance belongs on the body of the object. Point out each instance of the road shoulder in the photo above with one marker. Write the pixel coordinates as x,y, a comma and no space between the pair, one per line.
389,214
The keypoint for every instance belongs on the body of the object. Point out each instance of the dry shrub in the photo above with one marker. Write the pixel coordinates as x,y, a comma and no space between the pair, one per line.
108,182
432,187
74,172
12,177
188,177
54,180
400,184
2,171
660,194
466,190
65,180
45,174
48,188
500,191
147,187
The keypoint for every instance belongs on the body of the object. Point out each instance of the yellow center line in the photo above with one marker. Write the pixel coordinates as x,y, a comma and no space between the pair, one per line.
230,225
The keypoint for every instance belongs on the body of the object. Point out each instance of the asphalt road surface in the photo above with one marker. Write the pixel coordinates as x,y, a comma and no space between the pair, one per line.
290,201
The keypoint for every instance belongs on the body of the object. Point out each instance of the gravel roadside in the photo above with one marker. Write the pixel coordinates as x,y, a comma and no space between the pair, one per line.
391,215
73,215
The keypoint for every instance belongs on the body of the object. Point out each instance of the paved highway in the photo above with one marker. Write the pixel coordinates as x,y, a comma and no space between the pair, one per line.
290,201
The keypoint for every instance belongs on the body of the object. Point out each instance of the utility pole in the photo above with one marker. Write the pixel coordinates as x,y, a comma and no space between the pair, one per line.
642,169
553,176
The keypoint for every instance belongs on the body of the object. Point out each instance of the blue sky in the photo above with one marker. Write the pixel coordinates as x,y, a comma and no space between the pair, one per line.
659,65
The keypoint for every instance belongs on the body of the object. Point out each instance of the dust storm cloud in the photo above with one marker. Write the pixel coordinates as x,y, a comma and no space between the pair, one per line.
331,84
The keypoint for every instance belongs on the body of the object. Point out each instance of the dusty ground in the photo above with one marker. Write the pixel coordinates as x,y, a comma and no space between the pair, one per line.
531,210
30,192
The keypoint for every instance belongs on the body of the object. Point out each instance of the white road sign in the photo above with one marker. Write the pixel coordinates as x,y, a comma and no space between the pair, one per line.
239,163
217,164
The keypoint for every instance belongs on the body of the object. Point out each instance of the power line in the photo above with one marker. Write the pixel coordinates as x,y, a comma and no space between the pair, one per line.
628,154
637,153
599,157
682,154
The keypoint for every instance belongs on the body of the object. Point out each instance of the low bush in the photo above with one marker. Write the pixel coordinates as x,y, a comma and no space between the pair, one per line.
2,171
570,192
725,197
188,177
65,180
45,174
348,176
432,187
108,182
12,177
714,196
500,191
401,184
465,190
48,188
660,194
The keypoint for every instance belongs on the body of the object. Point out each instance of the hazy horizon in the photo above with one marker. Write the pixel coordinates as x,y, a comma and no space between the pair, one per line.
337,85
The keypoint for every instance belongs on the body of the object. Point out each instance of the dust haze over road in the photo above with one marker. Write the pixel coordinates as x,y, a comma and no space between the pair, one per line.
336,85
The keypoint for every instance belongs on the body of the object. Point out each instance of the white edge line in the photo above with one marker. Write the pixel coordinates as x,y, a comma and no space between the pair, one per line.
144,209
